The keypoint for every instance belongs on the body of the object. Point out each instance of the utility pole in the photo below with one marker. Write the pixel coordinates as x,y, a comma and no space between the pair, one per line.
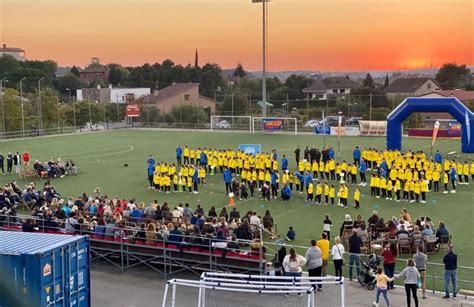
370,106
232,100
2,82
22,108
287,103
307,105
40,122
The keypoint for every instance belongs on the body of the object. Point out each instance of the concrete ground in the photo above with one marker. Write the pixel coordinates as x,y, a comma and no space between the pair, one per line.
143,287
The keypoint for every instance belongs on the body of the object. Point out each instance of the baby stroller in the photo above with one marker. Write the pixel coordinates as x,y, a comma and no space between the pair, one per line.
367,274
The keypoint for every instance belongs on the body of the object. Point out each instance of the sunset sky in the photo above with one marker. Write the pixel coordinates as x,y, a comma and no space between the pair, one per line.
339,35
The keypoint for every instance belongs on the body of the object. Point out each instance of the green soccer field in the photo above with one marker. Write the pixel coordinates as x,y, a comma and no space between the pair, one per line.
101,157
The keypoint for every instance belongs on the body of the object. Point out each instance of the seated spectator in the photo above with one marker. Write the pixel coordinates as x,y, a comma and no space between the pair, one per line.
392,229
291,234
402,233
150,233
359,221
219,241
224,214
233,245
255,220
175,236
29,198
187,213
29,226
347,224
404,215
373,219
212,212
99,230
268,220
70,224
176,213
362,233
137,214
442,233
427,232
234,214
140,235
243,232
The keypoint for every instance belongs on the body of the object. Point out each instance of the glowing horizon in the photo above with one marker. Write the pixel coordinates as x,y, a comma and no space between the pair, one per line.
324,35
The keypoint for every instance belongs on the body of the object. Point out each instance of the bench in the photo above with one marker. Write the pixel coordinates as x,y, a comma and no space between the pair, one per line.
452,154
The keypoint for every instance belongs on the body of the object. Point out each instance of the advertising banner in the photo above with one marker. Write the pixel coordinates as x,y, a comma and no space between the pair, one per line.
454,129
133,110
272,124
345,131
250,149
322,130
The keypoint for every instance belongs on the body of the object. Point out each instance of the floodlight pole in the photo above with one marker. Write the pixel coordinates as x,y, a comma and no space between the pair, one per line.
264,53
264,66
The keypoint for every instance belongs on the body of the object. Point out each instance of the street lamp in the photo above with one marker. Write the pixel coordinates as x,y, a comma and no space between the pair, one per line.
40,122
22,108
73,107
2,82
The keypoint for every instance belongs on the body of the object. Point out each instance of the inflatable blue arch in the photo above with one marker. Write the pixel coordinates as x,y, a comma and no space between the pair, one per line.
449,105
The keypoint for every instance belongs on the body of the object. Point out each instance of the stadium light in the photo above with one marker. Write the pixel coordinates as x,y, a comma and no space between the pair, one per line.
264,53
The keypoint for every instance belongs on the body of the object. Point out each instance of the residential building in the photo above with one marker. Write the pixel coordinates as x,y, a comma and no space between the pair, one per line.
466,97
114,95
17,53
411,87
94,72
179,94
331,87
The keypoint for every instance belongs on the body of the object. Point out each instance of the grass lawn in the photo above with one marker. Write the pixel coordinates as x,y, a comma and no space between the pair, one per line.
102,156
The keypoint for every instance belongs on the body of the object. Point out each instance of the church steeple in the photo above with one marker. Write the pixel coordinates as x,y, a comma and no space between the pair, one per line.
196,59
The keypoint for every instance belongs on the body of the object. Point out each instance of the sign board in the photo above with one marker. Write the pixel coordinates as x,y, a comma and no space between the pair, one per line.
347,131
454,129
272,124
250,149
133,110
319,130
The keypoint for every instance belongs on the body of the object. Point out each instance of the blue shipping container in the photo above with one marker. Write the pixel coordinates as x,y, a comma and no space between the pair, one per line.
39,269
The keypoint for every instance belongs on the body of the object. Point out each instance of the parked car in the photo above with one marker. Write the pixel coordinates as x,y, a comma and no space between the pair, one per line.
223,125
332,121
313,123
353,121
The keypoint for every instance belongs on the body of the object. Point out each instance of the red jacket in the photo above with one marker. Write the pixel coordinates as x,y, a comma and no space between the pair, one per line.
26,157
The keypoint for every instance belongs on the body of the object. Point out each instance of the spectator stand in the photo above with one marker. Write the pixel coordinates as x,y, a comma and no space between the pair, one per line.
125,251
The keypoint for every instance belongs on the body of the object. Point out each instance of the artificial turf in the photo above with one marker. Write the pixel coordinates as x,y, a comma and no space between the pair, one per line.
102,156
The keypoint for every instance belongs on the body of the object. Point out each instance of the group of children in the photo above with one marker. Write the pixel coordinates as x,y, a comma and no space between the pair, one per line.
395,175
167,177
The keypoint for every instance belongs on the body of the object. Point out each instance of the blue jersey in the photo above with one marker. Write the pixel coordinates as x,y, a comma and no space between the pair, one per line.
151,169
438,158
453,174
362,166
286,191
331,153
203,158
284,164
179,152
356,153
274,178
227,176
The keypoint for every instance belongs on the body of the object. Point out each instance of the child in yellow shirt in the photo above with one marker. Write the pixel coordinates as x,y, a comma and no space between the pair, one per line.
357,198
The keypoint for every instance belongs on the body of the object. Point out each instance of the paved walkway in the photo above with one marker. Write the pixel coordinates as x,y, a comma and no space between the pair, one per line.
144,287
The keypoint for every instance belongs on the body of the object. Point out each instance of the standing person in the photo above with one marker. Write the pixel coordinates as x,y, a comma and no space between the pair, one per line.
17,162
420,260
357,198
2,163
292,264
26,158
179,155
337,253
284,163
323,245
450,261
9,163
410,275
297,154
382,281
314,262
151,172
227,180
327,224
452,177
356,155
355,243
362,170
389,255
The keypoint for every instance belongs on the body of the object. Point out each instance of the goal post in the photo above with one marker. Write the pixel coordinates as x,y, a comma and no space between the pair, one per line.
275,125
226,122
233,290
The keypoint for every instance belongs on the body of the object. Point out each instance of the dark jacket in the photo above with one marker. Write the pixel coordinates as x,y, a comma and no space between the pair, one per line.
450,261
